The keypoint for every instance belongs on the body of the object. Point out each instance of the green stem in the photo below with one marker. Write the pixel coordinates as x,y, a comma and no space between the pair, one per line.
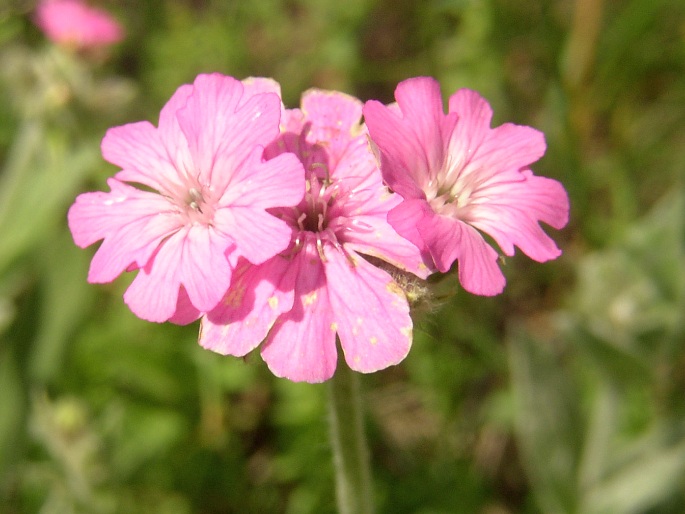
348,441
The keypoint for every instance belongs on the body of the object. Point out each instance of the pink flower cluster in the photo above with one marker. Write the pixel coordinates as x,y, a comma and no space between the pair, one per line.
73,23
269,223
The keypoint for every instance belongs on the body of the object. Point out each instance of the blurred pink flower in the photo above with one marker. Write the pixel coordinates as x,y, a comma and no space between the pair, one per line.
321,286
73,23
458,176
205,192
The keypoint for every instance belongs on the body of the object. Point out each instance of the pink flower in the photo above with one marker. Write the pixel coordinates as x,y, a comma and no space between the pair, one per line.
458,176
321,286
73,23
206,191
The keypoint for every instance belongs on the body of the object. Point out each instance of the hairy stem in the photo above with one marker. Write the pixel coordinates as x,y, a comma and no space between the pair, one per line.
348,440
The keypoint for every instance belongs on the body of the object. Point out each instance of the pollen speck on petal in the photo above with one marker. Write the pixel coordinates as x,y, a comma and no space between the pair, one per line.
309,299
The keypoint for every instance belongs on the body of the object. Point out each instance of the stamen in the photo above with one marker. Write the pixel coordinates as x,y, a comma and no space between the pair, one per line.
196,199
334,190
333,239
361,226
350,259
327,174
300,220
319,248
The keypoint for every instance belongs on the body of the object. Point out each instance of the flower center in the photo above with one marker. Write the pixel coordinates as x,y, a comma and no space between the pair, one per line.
313,217
198,206
325,216
452,192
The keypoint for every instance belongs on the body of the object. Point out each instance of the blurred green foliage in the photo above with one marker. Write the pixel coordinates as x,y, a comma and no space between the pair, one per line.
562,395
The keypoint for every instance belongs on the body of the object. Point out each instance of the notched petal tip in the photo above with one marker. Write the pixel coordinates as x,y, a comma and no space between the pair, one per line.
257,85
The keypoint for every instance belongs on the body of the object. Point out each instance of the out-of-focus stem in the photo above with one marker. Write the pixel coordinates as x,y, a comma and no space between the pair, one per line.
578,63
579,55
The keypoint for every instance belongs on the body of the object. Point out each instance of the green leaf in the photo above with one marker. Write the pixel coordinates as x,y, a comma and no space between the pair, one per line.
548,422
654,470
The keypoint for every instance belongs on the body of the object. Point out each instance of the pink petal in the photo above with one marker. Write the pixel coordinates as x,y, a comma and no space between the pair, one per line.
331,113
139,151
171,135
507,147
382,241
421,104
449,239
371,313
554,210
132,246
132,222
202,266
274,183
194,258
185,313
255,299
96,215
479,272
472,128
442,236
477,152
514,209
258,184
257,85
153,294
358,169
158,158
406,218
402,164
292,121
257,234
334,119
301,345
223,126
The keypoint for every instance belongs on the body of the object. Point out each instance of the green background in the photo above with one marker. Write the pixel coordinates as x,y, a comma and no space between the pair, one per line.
565,394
